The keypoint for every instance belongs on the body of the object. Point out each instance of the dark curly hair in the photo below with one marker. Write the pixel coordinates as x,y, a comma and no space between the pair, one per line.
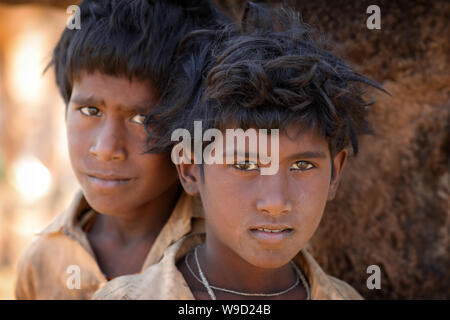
268,74
131,38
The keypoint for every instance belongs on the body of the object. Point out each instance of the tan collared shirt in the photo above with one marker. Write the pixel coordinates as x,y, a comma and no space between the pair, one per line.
60,263
163,281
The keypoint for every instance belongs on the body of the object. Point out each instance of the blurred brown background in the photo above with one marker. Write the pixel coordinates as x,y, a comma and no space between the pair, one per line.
35,178
393,207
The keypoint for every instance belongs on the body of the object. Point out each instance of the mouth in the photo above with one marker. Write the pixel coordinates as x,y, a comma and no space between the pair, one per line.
108,180
271,230
271,234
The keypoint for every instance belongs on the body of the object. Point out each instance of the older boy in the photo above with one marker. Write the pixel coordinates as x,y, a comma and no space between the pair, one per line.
111,73
270,77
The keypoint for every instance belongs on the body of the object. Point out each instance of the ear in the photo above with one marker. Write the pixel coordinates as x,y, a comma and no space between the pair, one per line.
339,162
189,177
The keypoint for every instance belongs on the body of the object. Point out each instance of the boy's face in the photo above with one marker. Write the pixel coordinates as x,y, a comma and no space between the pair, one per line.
267,219
106,139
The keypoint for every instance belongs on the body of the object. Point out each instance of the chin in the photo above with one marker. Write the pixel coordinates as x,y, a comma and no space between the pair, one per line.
111,205
268,260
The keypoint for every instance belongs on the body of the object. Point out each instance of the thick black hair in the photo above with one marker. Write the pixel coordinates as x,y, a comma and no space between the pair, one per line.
269,73
131,38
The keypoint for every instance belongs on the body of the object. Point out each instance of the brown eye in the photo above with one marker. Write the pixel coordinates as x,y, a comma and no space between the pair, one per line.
246,166
90,111
302,166
139,118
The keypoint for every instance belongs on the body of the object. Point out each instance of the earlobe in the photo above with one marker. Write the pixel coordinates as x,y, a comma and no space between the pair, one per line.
188,175
339,162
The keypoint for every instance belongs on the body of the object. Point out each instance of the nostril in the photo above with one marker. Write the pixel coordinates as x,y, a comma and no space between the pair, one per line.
108,150
274,208
93,152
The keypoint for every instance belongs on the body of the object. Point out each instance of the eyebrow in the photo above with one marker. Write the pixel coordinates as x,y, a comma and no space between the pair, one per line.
91,100
80,99
310,155
243,154
138,108
303,155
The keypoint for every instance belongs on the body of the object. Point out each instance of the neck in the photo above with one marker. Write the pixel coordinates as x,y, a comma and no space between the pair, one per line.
139,223
226,269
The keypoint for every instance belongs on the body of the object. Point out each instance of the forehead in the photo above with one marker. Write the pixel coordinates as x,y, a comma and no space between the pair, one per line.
99,88
293,139
302,138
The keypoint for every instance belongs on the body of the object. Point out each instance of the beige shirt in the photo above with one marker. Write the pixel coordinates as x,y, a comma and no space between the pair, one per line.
60,263
163,281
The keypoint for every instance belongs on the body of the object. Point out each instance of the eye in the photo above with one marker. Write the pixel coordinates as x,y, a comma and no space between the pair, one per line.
246,166
139,118
91,111
302,166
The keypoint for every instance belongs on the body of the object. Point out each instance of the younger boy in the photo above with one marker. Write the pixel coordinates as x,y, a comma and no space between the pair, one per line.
257,225
111,73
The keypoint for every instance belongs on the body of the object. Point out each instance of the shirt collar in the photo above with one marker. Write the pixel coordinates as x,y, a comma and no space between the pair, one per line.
162,281
72,218
319,282
178,225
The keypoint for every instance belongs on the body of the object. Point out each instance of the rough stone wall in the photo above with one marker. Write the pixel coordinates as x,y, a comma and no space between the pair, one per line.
393,206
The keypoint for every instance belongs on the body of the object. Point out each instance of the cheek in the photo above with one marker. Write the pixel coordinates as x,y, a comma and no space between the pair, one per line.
137,136
310,201
226,203
78,137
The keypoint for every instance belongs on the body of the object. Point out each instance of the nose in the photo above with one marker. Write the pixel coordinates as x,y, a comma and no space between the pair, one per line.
109,144
274,200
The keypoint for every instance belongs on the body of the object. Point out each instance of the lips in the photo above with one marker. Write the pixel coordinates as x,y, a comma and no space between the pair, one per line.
270,230
108,180
271,234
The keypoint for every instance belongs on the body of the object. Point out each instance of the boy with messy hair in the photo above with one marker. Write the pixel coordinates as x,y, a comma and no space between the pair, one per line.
272,75
131,207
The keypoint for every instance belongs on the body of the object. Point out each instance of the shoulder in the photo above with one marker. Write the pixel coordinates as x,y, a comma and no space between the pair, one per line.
35,252
34,248
323,285
346,290
44,263
28,268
